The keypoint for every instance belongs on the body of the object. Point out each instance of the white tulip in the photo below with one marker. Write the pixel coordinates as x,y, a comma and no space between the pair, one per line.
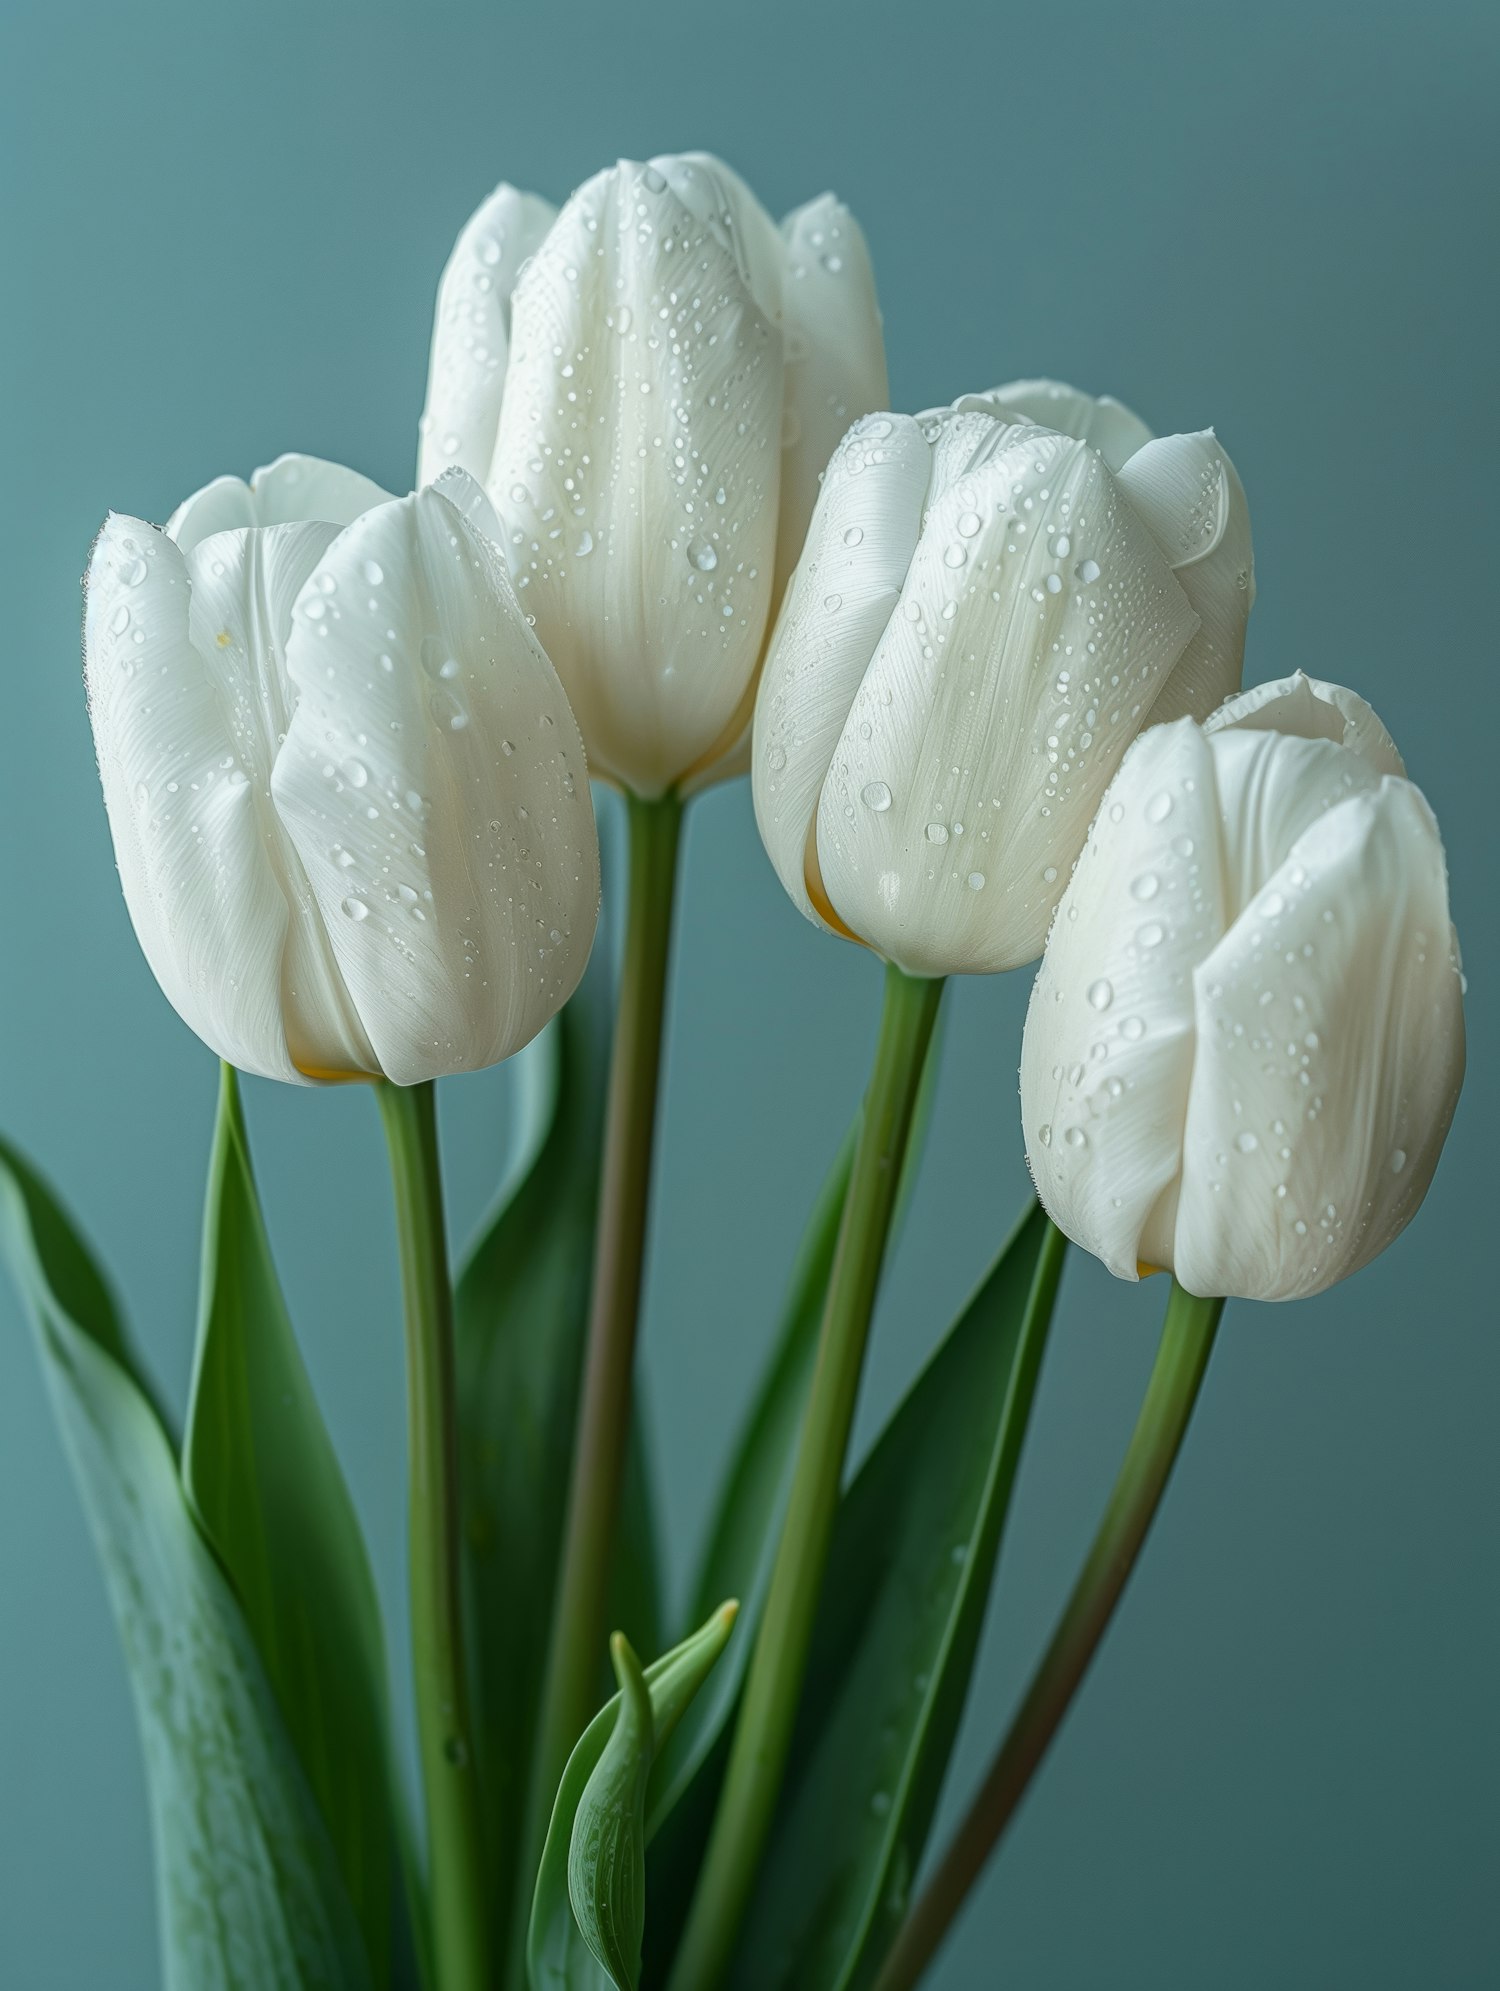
1246,1037
650,402
348,799
986,612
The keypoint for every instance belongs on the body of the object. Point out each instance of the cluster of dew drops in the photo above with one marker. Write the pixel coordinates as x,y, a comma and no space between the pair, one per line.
666,350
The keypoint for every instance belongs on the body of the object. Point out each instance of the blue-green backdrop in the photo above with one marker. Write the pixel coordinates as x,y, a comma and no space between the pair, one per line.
222,228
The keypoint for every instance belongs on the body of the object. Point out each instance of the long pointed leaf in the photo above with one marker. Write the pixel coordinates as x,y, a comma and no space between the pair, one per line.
913,1556
250,1891
265,1485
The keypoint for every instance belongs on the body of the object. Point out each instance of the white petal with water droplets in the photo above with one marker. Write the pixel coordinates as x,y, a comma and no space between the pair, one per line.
289,491
636,471
1312,709
440,807
1107,1056
1097,419
202,893
835,357
1187,491
471,332
859,547
1038,622
1330,1054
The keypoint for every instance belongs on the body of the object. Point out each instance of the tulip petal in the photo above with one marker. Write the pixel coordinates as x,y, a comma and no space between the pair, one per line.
174,787
471,332
1107,1057
1037,624
433,782
1312,709
244,584
1187,491
859,547
716,196
1097,419
1330,1054
636,472
835,358
289,491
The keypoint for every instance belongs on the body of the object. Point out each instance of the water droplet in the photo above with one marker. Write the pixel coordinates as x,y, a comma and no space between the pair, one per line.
1062,546
132,572
1152,934
1159,807
875,795
585,545
119,622
356,773
854,535
969,523
1271,905
833,603
937,832
1044,1135
1146,886
373,572
356,909
1101,993
1054,584
1246,1142
703,556
623,320
776,759
1087,571
1398,1160
1076,1137
955,555
1133,1029
975,881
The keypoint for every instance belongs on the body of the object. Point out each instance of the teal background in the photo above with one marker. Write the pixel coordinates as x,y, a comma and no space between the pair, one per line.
222,229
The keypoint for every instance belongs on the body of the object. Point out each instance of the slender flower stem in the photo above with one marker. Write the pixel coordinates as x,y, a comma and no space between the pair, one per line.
577,1651
1187,1337
773,1684
445,1741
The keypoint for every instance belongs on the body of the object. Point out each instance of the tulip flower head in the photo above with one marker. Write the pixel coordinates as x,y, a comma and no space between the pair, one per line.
992,601
347,796
649,385
1246,1040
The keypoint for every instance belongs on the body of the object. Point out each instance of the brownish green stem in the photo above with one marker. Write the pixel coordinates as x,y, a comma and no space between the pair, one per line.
1187,1338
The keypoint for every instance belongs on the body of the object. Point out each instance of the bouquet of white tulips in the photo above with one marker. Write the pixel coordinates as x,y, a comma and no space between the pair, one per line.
983,666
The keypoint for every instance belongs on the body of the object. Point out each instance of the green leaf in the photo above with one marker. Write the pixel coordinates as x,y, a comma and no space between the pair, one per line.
522,1316
558,1956
913,1556
265,1486
607,1848
250,1891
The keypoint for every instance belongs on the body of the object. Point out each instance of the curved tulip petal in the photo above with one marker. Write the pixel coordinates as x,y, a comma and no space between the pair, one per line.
433,782
289,491
835,358
1037,624
1312,709
244,584
1187,491
174,787
636,471
1330,1054
859,547
1272,788
471,332
1107,1057
1097,419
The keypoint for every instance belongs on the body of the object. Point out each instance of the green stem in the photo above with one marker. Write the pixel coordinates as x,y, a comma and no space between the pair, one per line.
1187,1337
577,1652
445,1741
773,1683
